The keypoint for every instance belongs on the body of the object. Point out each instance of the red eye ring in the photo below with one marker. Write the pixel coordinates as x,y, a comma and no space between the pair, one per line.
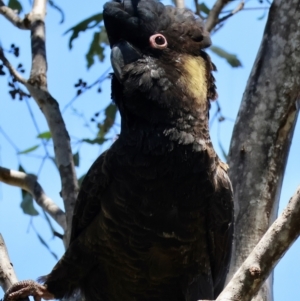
158,41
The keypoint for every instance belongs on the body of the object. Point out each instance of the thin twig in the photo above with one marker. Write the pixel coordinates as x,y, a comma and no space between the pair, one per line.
98,81
7,273
30,184
213,17
6,136
12,17
262,260
247,8
11,69
239,7
197,11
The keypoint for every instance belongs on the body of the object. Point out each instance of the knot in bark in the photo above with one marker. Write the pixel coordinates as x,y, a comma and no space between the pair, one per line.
254,271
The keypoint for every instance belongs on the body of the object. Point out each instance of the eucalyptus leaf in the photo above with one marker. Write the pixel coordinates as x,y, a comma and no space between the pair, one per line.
15,5
203,8
95,50
29,150
43,242
109,120
232,59
45,135
88,23
56,7
95,141
27,204
76,159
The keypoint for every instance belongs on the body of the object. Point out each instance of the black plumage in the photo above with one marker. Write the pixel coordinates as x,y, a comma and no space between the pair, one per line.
153,219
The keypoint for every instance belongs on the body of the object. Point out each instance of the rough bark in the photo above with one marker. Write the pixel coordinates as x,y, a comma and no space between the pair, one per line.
262,260
263,132
7,273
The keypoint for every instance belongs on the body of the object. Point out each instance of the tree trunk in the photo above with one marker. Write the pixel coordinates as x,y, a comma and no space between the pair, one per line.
263,132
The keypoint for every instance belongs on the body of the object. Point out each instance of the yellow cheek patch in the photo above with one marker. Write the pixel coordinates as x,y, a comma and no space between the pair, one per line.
194,78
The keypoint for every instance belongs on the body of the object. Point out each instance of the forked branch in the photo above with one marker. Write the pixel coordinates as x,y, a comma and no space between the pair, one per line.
256,268
213,17
37,87
12,17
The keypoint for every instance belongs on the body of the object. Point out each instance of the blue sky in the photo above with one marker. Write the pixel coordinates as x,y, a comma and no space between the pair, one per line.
241,35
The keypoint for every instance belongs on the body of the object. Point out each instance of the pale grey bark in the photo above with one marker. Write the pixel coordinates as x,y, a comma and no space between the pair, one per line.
37,87
30,184
263,132
10,15
180,3
262,260
213,17
7,273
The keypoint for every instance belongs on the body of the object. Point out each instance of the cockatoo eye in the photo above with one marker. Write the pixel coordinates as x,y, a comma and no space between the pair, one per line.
158,41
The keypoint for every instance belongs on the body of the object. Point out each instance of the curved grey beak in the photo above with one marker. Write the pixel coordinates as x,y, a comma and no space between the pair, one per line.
123,53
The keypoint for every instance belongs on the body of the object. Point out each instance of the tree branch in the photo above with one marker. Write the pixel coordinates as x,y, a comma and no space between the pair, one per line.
11,69
37,87
7,273
12,17
262,260
179,3
213,17
259,151
239,7
30,184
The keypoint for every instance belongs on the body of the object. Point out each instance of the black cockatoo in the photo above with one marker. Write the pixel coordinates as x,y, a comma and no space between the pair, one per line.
154,215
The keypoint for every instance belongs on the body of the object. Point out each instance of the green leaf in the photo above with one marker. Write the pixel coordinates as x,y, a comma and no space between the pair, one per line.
95,141
21,168
76,159
27,204
96,47
49,222
45,135
232,59
203,8
27,200
88,23
95,50
15,5
109,120
43,242
56,7
29,150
